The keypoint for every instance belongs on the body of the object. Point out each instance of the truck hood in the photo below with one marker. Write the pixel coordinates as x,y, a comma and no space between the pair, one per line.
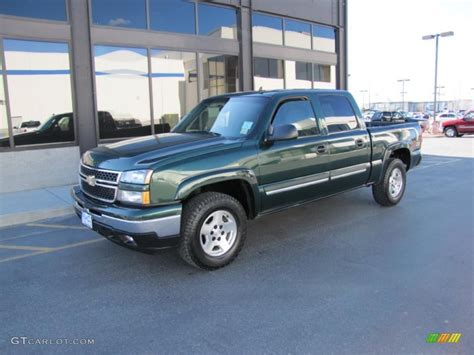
144,152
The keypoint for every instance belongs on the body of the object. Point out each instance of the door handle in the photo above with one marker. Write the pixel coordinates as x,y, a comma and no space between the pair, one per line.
321,149
359,143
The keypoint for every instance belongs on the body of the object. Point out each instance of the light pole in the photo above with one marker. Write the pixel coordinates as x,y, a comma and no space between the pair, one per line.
403,81
363,98
436,36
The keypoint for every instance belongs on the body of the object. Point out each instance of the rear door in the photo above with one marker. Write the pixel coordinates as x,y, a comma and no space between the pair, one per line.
294,170
348,142
467,125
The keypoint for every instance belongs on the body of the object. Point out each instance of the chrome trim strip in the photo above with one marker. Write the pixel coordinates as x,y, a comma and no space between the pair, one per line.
348,174
376,162
100,181
294,187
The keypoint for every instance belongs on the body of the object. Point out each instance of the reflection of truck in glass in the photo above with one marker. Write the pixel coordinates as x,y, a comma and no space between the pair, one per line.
60,128
237,157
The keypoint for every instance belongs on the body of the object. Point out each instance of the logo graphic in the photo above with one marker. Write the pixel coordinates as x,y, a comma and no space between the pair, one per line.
443,337
91,180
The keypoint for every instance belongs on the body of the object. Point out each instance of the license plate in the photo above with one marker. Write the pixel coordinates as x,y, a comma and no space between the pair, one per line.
86,219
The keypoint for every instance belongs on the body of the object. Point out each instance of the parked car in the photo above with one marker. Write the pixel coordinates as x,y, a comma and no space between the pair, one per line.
443,117
391,117
459,127
237,157
60,128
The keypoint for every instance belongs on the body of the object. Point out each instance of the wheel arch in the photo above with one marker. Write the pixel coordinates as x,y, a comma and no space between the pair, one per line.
238,183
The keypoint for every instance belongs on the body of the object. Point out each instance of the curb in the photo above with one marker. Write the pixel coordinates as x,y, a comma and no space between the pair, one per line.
13,219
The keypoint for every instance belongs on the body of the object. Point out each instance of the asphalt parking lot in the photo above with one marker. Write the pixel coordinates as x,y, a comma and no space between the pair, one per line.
341,275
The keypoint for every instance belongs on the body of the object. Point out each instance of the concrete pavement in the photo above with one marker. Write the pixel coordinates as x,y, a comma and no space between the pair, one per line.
342,276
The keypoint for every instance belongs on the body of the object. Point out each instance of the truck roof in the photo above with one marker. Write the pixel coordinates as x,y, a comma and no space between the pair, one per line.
280,92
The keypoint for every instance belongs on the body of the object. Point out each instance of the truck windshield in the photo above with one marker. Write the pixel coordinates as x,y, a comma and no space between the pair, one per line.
232,117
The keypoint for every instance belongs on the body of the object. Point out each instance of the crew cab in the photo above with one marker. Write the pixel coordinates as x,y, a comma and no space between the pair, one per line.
238,157
459,127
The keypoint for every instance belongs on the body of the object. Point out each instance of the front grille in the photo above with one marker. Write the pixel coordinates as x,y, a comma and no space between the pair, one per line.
99,192
103,186
104,175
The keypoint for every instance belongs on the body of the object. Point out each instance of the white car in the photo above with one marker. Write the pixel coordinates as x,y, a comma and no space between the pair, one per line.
443,117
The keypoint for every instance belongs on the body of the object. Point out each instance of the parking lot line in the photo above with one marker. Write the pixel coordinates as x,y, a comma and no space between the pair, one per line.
52,250
59,226
24,247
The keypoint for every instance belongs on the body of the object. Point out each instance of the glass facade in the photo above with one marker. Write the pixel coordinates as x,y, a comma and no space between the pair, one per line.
297,34
220,74
267,29
119,13
163,16
122,89
4,134
268,74
174,83
39,87
298,75
44,9
217,21
324,38
146,90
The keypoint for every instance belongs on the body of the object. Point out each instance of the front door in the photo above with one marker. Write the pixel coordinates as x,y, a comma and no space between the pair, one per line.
294,170
348,143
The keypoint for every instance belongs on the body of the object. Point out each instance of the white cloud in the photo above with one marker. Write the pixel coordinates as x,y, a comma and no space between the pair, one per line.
119,22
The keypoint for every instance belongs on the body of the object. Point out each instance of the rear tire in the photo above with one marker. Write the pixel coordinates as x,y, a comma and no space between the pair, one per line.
451,132
389,191
213,230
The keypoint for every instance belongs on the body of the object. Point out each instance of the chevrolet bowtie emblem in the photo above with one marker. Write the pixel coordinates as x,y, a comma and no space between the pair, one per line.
91,180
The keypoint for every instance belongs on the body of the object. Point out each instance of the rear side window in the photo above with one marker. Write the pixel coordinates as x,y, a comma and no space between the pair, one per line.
338,113
300,114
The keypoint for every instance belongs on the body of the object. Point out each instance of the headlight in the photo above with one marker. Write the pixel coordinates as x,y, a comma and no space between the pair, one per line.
136,176
134,197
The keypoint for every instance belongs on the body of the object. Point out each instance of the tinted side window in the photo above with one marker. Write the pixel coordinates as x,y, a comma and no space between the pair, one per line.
338,113
298,113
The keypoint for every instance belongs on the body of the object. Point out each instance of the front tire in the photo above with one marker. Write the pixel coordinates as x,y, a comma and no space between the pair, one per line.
389,191
451,132
213,230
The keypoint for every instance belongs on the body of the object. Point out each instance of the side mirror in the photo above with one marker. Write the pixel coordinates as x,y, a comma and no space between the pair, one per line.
283,133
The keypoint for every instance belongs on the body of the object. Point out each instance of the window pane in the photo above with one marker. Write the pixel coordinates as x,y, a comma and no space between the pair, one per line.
172,16
120,13
324,38
268,74
297,75
174,86
44,9
4,141
298,113
267,29
217,21
123,102
220,74
297,34
338,113
324,76
39,86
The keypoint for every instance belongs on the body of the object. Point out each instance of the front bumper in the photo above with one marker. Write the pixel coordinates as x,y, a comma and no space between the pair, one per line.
145,229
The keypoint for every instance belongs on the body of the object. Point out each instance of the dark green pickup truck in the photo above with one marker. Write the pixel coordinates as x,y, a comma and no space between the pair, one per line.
237,157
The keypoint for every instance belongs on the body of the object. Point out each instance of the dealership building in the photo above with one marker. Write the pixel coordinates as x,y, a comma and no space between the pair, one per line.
80,73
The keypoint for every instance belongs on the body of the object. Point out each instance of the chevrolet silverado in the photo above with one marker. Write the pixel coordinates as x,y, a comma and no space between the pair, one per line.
237,157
